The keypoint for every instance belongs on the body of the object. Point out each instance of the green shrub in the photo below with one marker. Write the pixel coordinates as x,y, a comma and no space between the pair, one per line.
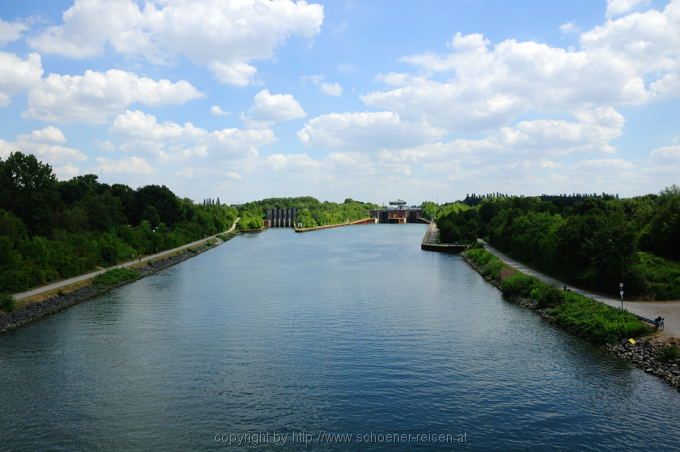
519,285
661,276
7,303
668,353
115,276
547,296
489,265
597,321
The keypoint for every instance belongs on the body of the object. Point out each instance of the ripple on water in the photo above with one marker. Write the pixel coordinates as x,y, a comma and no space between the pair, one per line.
348,330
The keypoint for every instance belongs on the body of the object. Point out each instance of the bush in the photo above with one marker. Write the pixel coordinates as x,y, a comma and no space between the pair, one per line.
115,276
519,285
7,302
547,296
489,265
597,321
668,353
662,276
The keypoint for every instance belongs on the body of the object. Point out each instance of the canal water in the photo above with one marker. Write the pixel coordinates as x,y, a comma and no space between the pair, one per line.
351,330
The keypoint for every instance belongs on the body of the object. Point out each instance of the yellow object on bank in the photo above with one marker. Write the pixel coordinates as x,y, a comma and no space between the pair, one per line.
632,341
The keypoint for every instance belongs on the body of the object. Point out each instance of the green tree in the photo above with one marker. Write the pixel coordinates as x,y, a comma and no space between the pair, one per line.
28,188
163,200
663,235
150,214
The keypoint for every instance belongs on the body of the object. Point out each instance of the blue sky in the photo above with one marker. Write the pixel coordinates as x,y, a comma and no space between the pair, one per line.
366,99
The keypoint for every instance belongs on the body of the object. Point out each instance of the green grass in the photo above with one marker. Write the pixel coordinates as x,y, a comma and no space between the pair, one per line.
547,296
662,276
7,303
489,265
596,321
581,315
519,285
115,276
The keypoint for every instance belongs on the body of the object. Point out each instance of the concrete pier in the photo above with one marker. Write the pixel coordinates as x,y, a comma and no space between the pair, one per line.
431,242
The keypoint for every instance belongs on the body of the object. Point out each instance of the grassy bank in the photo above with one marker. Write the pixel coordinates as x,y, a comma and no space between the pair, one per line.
115,276
575,313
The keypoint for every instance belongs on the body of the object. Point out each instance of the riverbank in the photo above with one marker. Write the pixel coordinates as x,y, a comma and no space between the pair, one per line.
31,312
650,309
617,331
337,225
79,280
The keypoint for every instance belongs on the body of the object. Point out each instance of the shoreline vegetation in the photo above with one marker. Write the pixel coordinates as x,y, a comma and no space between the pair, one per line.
596,322
594,241
311,212
53,230
33,310
18,313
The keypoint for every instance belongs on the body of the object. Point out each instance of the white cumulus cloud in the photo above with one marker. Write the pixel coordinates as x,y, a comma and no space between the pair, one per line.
96,96
141,132
569,27
328,88
225,36
48,145
11,31
630,60
17,75
618,7
667,153
291,162
216,110
273,108
49,134
365,131
127,165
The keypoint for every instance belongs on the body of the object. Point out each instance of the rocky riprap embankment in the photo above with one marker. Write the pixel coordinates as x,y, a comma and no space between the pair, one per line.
645,355
35,311
44,308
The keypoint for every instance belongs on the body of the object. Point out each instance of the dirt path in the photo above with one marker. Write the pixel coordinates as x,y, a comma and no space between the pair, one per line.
669,310
87,276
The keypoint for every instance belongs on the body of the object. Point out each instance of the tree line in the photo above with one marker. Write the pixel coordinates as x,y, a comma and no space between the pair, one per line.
310,211
52,229
595,241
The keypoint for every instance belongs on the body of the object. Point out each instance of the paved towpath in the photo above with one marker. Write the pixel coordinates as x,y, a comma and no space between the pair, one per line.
669,310
76,279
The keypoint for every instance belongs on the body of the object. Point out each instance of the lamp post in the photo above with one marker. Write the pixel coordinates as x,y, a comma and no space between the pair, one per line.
621,293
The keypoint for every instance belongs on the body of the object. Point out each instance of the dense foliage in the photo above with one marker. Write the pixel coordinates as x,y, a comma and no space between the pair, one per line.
52,229
595,241
434,211
310,211
576,313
